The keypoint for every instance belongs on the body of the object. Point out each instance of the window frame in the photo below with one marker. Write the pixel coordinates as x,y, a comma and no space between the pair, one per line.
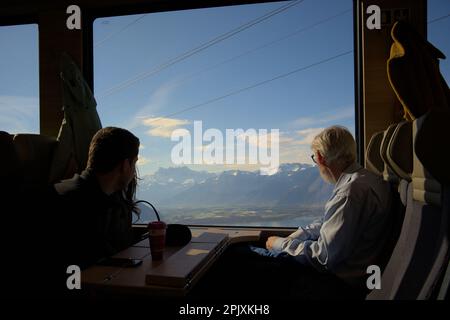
89,18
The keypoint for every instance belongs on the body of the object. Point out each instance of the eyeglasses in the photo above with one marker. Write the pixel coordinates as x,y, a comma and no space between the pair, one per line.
312,157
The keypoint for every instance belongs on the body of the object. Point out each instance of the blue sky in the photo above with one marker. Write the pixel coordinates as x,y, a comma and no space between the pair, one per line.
295,105
19,83
298,105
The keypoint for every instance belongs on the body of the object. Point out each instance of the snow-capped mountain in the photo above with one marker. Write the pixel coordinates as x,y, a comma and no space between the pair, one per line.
294,184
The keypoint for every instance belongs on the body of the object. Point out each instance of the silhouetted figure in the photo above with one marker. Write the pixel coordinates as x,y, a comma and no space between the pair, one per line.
94,209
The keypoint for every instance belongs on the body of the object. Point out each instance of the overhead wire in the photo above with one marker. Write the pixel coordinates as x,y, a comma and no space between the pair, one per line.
265,45
125,84
277,77
115,33
439,18
232,93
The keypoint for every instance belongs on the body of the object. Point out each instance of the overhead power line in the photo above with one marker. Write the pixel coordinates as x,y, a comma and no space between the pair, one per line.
232,93
197,49
280,76
440,18
265,45
113,34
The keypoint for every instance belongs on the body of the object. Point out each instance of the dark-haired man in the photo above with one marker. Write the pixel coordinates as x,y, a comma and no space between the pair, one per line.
96,205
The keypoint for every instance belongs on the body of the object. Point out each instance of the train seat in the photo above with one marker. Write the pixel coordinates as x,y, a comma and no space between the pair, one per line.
421,251
34,153
374,162
379,154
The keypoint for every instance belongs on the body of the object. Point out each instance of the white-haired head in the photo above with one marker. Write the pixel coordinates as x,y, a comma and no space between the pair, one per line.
336,146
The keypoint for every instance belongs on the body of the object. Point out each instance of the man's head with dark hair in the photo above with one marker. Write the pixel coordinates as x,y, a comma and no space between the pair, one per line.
109,147
114,151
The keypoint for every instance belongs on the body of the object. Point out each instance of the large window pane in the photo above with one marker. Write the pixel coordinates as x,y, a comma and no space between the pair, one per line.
19,79
285,66
438,31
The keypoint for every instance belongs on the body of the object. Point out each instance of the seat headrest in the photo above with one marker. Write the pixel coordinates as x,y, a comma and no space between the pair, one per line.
425,187
388,174
413,72
399,151
431,141
374,162
34,154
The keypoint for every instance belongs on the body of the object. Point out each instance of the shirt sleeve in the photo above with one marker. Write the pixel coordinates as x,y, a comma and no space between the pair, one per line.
310,232
336,237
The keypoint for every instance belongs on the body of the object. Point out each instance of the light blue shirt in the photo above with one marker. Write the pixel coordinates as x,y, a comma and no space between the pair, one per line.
350,235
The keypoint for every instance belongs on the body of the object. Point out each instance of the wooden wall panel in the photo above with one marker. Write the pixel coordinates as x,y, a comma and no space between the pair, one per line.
381,107
54,38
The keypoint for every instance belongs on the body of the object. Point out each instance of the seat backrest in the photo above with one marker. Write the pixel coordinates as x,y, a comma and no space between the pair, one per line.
429,232
388,173
392,136
374,162
399,155
432,127
399,151
416,262
34,154
383,140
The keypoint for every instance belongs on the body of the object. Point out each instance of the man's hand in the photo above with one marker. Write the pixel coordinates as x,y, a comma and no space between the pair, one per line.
270,241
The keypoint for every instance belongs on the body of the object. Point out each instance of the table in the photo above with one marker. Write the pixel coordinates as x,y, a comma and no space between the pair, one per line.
175,275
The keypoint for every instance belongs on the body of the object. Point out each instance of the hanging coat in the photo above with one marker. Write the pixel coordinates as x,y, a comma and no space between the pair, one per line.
80,123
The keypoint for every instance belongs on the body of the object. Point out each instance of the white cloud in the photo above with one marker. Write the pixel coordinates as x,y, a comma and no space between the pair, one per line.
19,114
307,135
164,122
163,127
261,140
142,161
296,146
330,117
296,153
293,147
164,132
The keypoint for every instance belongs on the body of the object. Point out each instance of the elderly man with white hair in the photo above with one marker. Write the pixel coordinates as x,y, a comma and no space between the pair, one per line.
329,258
349,237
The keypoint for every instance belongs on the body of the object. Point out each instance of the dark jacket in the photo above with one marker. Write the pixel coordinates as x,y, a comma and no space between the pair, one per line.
96,225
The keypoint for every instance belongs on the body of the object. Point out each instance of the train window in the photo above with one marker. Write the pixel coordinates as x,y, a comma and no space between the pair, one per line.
439,20
19,79
226,101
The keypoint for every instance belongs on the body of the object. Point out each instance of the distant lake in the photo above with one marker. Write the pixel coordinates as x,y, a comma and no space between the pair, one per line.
263,216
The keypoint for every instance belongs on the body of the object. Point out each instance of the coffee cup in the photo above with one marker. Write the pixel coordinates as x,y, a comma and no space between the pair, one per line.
157,238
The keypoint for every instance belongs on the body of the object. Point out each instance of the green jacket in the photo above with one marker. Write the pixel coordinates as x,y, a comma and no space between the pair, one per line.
79,125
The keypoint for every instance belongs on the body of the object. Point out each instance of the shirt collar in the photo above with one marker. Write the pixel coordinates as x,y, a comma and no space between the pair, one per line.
346,174
88,176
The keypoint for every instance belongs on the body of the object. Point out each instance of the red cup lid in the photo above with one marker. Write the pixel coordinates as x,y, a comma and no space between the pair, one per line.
157,225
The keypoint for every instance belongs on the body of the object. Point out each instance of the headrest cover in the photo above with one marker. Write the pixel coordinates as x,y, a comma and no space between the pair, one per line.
388,174
425,187
399,151
413,72
374,162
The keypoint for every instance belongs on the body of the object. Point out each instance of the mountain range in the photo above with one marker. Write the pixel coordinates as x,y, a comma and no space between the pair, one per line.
294,185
